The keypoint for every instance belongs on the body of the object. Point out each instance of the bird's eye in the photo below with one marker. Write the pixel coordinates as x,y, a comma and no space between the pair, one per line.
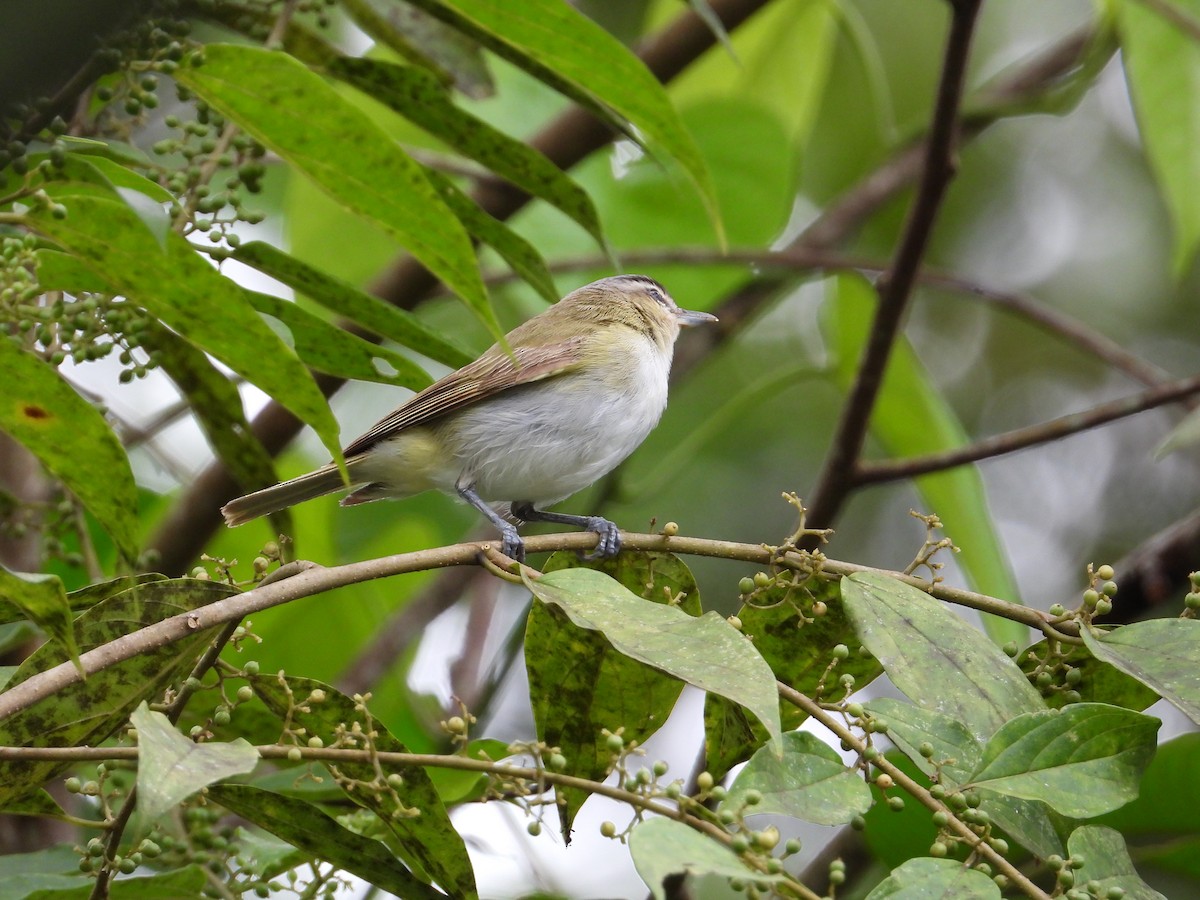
657,295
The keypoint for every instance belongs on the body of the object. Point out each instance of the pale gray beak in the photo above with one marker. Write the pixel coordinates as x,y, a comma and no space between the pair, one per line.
687,318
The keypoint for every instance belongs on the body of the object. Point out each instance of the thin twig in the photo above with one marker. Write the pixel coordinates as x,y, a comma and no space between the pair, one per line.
895,286
1021,438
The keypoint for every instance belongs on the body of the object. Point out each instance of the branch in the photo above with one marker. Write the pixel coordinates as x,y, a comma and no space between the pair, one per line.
895,287
1021,438
566,140
969,837
315,579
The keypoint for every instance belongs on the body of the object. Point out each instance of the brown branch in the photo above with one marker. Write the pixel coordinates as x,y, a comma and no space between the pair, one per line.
313,579
895,287
1021,438
1156,571
566,140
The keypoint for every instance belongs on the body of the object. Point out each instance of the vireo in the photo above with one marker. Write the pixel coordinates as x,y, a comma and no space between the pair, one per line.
585,384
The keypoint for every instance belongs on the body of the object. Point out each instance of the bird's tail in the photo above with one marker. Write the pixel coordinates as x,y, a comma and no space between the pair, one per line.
317,483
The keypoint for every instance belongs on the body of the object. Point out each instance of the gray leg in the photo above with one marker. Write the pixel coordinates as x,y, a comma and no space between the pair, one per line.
609,543
511,544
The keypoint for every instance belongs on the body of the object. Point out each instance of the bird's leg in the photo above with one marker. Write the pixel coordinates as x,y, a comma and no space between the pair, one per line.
609,543
511,543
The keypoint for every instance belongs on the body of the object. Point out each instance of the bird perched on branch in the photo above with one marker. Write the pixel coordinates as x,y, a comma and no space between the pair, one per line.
584,384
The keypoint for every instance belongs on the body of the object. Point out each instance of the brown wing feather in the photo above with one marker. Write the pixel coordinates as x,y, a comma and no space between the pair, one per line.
492,373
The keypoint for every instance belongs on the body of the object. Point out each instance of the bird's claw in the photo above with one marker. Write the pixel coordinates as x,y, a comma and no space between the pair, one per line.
608,542
512,546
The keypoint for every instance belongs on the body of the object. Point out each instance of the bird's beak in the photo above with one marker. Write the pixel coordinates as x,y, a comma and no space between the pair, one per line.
687,318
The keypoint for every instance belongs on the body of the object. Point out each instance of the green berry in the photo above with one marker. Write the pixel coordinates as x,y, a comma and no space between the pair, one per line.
746,585
938,850
1105,573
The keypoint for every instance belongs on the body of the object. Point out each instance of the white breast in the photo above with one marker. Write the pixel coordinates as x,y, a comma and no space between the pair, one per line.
545,441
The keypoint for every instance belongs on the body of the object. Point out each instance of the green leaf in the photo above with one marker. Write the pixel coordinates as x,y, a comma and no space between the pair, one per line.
334,350
295,113
1100,682
217,405
88,712
1162,66
1106,860
39,804
706,652
85,597
911,418
938,660
579,685
956,753
172,767
809,782
1186,433
1083,760
559,46
71,439
43,600
1163,654
927,879
427,842
419,97
178,287
305,826
337,296
664,847
186,882
123,178
1168,797
795,639
520,255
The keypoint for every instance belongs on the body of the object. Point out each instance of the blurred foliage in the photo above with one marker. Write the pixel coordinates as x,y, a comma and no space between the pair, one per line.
174,138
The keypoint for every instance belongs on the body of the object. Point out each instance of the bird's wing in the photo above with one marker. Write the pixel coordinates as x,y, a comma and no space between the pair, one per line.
492,373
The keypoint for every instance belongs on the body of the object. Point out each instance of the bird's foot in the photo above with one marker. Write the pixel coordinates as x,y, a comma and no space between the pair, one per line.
608,544
511,544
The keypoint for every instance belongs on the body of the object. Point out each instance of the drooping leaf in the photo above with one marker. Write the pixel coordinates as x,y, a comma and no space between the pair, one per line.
427,841
419,98
330,349
926,878
809,782
795,627
1168,796
561,47
706,652
1082,760
344,299
579,684
295,113
911,418
43,600
215,402
87,712
172,767
938,660
1162,67
303,825
663,847
521,256
71,439
1106,860
178,287
1163,654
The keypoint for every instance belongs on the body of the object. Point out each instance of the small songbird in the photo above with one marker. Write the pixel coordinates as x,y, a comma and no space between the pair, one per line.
585,383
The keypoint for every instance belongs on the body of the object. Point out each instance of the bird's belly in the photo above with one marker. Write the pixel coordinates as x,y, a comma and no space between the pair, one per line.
545,441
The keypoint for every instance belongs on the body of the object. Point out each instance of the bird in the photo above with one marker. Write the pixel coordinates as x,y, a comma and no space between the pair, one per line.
577,389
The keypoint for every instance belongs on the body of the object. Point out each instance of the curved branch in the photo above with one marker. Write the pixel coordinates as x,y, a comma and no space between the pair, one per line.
315,579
